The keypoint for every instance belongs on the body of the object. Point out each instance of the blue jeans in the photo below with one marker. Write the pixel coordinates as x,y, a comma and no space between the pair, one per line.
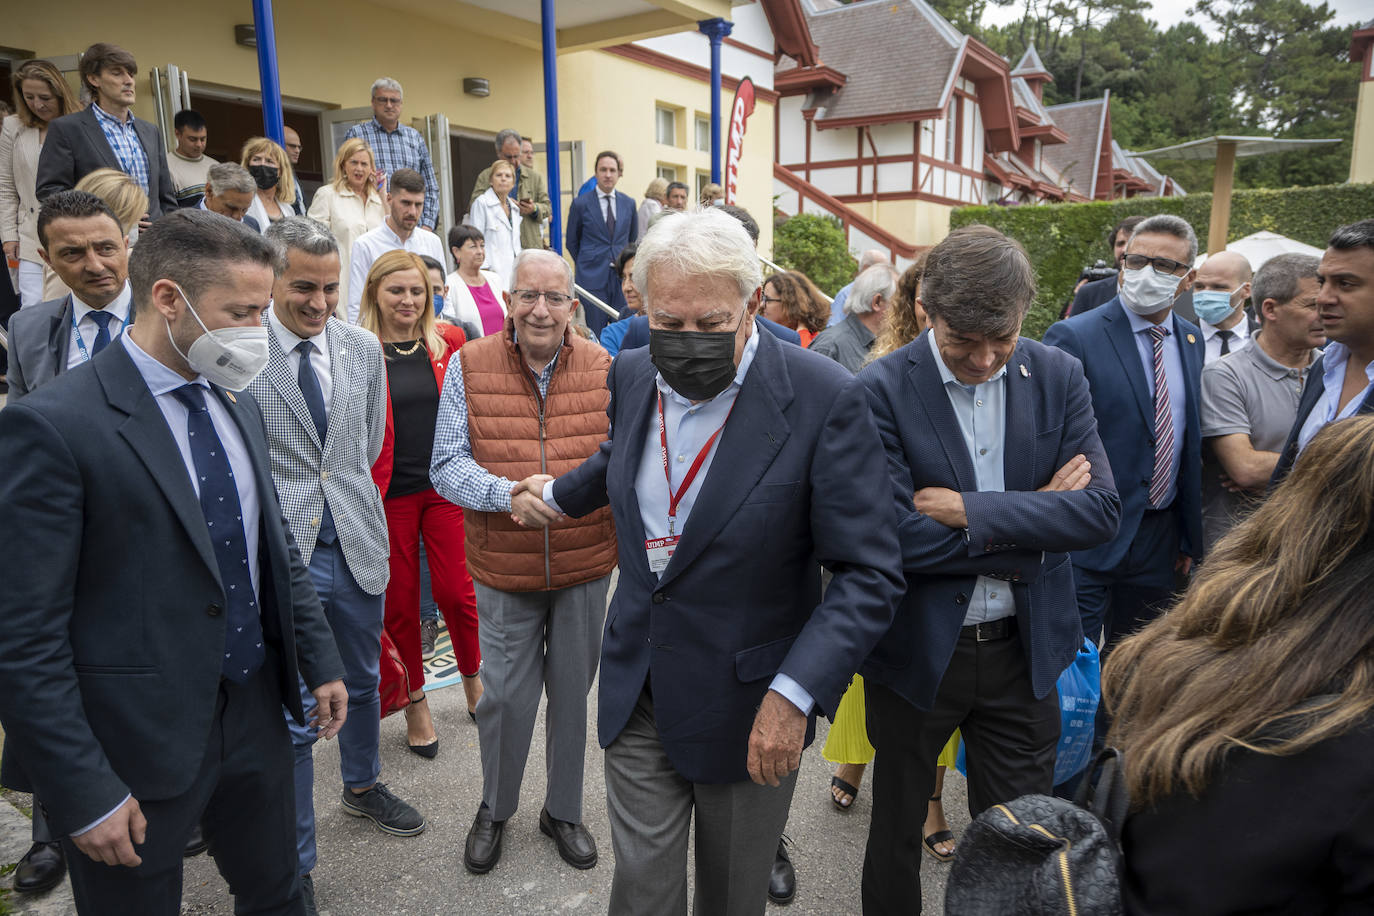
356,619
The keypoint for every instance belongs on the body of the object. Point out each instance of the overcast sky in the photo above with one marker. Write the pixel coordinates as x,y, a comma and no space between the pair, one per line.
1167,12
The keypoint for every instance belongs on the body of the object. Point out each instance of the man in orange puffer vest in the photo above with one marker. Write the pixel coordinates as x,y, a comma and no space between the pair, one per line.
529,401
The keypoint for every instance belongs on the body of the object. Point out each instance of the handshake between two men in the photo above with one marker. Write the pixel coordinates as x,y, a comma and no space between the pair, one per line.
527,506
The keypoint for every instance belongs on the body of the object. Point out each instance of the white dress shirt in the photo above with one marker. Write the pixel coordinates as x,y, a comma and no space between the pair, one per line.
319,354
374,243
1211,338
84,329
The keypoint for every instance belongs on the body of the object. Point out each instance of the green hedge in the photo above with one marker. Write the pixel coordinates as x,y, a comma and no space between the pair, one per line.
1062,239
816,246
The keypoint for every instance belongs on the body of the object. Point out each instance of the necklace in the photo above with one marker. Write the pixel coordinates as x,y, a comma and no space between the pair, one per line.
395,348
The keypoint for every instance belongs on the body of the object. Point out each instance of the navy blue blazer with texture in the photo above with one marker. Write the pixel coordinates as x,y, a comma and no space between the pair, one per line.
1103,342
790,488
593,249
1021,536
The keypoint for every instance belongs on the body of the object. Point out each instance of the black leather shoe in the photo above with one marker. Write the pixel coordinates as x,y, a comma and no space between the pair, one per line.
41,869
782,885
483,849
575,844
195,844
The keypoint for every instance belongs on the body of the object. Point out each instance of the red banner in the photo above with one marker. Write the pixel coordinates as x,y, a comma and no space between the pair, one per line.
739,115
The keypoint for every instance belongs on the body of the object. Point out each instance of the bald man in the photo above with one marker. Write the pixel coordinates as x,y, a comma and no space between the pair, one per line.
292,143
1220,293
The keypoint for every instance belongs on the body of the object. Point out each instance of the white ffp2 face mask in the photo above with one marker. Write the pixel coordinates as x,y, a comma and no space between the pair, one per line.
228,357
1146,291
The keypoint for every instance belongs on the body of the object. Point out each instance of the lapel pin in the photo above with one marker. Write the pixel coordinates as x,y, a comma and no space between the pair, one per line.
1025,373
1192,339
230,396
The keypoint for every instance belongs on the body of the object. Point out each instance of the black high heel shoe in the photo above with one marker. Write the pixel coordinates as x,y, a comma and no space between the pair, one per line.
472,713
427,751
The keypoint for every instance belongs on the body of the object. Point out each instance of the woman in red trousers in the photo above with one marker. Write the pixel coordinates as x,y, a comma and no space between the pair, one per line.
397,306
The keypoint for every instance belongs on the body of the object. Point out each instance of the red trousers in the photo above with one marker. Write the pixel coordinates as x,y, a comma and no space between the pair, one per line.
441,523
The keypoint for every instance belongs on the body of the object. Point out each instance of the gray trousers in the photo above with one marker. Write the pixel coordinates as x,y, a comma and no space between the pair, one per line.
651,807
532,643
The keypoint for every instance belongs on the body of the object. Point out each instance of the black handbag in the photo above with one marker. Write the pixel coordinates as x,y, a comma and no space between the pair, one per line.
1045,855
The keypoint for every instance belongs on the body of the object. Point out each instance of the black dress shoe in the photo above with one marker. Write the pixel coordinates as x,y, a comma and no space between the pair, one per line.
195,844
782,885
41,869
575,844
483,849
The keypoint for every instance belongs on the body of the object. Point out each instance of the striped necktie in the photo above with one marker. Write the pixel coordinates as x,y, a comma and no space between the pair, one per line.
1164,423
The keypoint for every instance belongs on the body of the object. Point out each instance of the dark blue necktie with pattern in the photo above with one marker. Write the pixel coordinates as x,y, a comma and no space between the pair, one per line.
219,501
314,401
102,331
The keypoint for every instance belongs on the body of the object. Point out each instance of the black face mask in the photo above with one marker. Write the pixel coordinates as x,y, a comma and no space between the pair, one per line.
696,364
266,176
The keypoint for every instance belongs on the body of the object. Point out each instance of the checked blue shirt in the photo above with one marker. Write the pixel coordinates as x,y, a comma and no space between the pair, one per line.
123,139
456,475
402,148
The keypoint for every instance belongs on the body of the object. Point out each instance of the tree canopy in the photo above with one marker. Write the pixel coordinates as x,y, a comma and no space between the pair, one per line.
1275,68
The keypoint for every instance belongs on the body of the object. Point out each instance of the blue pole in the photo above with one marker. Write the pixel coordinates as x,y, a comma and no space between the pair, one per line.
716,30
268,78
549,33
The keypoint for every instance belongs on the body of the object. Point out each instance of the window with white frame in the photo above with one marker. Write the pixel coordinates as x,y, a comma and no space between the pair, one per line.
665,126
667,172
703,179
703,125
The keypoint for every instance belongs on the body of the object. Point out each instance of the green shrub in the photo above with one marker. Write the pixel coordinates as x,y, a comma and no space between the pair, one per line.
1062,239
815,245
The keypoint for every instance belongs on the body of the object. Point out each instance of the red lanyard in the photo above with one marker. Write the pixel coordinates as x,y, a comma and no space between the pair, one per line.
675,498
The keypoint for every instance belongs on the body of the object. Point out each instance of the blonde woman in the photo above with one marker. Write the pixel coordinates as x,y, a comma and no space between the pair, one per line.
398,306
499,222
351,204
40,94
655,198
266,161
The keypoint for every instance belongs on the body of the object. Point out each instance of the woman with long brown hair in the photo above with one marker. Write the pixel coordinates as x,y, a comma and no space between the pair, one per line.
904,319
398,306
1244,713
792,300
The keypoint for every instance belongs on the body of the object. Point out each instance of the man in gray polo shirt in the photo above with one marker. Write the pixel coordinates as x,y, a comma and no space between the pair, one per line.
848,342
1250,397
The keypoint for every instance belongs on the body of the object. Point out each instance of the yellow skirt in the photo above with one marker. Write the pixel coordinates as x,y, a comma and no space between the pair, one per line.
847,741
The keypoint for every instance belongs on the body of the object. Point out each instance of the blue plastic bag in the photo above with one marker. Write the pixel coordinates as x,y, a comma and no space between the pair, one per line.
1080,690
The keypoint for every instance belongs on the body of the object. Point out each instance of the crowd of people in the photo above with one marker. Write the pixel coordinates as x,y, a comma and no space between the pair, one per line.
887,508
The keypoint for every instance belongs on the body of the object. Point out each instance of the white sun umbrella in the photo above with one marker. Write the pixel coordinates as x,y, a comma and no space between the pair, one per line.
1261,246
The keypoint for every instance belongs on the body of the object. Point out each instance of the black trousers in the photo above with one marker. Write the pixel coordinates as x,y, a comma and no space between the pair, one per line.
244,799
1010,739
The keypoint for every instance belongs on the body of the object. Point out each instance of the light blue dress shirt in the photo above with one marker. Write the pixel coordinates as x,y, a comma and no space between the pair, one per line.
1173,372
1334,359
982,414
456,475
837,305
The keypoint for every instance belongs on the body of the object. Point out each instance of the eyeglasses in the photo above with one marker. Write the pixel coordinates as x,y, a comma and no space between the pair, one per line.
386,101
553,300
1160,265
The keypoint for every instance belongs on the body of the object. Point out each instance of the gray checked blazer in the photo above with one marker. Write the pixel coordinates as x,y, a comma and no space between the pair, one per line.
340,471
40,336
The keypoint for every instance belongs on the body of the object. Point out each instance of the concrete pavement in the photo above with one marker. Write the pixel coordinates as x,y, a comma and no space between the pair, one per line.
363,872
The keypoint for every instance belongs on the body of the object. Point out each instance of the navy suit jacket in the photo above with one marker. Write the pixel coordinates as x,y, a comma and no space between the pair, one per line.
1021,536
637,332
593,250
1103,342
76,146
111,620
1311,394
1100,292
790,488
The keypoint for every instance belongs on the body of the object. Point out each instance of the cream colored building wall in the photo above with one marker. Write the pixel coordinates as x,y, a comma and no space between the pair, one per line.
1362,149
329,53
613,108
326,52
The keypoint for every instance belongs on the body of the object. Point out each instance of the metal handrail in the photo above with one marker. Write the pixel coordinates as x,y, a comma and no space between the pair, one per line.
596,302
777,269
